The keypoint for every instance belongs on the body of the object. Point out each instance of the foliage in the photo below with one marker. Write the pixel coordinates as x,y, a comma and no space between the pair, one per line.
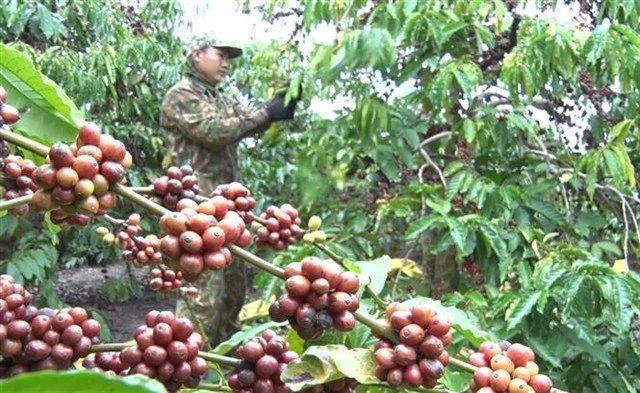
501,145
115,62
81,381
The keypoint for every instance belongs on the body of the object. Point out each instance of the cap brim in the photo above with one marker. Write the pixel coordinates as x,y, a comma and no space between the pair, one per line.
232,51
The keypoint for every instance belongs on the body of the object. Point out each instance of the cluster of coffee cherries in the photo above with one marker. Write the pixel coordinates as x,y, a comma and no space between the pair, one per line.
164,279
33,339
18,180
314,235
472,269
239,199
144,250
263,360
179,183
195,237
318,296
507,368
281,227
8,114
341,385
166,349
105,362
136,249
76,179
421,356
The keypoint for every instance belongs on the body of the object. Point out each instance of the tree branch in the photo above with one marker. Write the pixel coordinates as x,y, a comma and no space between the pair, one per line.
555,170
428,158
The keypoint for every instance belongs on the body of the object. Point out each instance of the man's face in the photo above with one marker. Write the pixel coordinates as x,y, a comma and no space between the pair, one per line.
213,63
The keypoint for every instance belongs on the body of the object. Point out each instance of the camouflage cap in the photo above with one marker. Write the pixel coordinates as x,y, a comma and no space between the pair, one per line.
204,42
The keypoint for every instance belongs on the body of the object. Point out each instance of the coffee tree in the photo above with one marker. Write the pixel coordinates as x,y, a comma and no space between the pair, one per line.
195,235
494,142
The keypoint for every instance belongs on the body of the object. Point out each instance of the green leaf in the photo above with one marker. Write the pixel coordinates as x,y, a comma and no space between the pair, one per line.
8,225
377,271
458,232
105,331
614,167
592,163
452,168
456,381
521,309
624,299
468,76
455,184
320,364
79,382
595,45
542,347
409,6
565,177
49,23
47,112
418,227
360,336
546,209
620,131
627,166
469,130
491,236
441,206
609,247
242,336
54,229
464,324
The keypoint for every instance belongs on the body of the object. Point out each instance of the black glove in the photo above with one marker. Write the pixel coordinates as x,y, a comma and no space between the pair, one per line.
278,111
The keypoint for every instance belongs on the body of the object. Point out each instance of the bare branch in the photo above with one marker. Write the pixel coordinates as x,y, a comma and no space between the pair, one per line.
428,159
434,138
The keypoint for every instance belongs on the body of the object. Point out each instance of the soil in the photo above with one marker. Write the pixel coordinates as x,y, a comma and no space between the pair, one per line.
83,286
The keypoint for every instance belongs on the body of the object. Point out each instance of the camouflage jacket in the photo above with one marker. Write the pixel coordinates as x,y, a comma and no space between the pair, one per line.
203,128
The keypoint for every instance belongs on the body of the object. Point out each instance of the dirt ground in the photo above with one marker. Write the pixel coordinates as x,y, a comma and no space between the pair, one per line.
82,286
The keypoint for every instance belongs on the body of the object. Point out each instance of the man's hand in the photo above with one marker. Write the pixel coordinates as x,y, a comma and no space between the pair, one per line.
278,111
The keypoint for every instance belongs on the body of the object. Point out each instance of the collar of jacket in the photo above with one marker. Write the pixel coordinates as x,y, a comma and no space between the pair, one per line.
200,81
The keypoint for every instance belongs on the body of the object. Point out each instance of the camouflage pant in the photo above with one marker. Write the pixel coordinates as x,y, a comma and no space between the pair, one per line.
218,303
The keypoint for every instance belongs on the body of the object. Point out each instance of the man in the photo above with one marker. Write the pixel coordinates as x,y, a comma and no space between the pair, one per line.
204,128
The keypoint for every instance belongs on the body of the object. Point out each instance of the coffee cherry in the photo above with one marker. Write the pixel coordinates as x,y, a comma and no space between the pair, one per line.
9,114
509,366
269,356
166,349
281,229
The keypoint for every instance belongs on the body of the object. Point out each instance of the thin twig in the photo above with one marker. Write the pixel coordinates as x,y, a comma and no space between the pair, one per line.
15,202
558,170
625,206
434,138
625,245
427,157
116,222
142,190
433,164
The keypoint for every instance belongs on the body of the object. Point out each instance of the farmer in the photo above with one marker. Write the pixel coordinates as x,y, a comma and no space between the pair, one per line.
203,128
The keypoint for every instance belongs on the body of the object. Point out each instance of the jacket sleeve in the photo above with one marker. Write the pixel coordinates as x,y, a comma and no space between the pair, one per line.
206,124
